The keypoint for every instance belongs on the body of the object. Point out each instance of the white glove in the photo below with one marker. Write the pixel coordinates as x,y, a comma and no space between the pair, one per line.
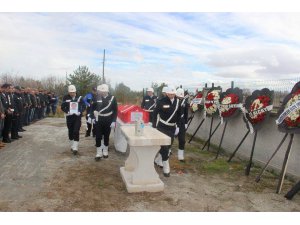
89,120
77,114
185,125
176,131
113,125
96,114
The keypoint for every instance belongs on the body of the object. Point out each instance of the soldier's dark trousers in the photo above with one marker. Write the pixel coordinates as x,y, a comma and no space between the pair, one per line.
181,137
73,124
102,129
7,126
1,127
293,191
89,129
169,131
14,126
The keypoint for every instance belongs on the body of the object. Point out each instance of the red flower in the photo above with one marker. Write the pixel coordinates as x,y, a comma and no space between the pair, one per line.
265,101
234,100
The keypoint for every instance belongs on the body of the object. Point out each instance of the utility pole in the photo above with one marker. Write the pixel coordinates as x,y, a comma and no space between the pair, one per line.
103,78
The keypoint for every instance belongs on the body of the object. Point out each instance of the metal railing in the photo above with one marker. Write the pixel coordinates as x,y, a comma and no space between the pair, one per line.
281,87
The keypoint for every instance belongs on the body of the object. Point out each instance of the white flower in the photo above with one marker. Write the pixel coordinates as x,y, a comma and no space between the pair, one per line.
295,114
216,95
212,109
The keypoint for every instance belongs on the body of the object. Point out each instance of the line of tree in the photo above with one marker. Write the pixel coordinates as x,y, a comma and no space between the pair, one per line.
82,78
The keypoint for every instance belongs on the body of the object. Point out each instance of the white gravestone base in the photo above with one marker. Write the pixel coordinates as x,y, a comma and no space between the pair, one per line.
139,173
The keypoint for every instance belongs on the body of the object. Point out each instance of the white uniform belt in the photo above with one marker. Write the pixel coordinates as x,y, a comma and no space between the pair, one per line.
166,123
105,114
148,110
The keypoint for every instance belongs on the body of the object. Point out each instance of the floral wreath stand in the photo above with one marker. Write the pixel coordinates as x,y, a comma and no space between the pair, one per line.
198,102
203,119
230,102
289,123
256,111
211,109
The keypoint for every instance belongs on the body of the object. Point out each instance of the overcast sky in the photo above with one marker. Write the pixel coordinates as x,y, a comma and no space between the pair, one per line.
175,48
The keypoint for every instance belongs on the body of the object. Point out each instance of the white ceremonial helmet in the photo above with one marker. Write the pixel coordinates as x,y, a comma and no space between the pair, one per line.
180,92
71,88
164,89
150,89
171,90
102,88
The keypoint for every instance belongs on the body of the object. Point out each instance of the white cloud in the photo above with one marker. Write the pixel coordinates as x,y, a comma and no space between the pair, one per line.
152,47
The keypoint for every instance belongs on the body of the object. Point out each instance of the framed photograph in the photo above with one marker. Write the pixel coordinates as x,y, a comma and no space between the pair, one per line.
73,107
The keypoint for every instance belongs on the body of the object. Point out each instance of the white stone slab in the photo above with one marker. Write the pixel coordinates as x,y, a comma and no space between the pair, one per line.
139,173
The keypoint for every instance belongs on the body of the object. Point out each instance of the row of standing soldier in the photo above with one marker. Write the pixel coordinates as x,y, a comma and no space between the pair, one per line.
21,106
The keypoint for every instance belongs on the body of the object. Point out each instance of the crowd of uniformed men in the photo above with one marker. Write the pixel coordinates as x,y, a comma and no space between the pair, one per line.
168,114
20,107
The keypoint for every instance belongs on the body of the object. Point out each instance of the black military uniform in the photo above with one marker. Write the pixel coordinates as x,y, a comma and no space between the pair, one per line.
18,108
105,111
33,107
73,121
7,104
148,104
169,117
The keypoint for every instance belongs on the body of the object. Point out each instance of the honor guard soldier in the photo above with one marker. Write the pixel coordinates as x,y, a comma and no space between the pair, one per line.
88,100
168,113
105,111
149,102
73,106
184,108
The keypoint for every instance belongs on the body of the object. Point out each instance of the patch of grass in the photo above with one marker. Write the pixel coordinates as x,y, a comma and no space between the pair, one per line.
216,166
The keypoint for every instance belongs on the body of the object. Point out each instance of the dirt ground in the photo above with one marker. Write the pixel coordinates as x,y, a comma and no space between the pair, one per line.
39,173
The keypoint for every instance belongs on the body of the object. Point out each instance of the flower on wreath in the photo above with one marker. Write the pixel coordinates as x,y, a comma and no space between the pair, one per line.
227,100
195,106
211,107
259,103
293,118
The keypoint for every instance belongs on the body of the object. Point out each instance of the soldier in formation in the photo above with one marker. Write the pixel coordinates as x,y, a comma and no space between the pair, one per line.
19,107
73,106
105,111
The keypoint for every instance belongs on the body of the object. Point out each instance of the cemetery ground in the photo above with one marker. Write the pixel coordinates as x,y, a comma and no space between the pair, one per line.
39,173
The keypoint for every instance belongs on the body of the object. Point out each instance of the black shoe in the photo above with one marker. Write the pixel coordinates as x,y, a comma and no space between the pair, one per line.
289,196
6,140
23,130
74,152
167,174
14,138
19,136
87,135
105,156
94,135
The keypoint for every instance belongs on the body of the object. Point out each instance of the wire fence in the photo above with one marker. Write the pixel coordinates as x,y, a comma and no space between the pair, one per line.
281,87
